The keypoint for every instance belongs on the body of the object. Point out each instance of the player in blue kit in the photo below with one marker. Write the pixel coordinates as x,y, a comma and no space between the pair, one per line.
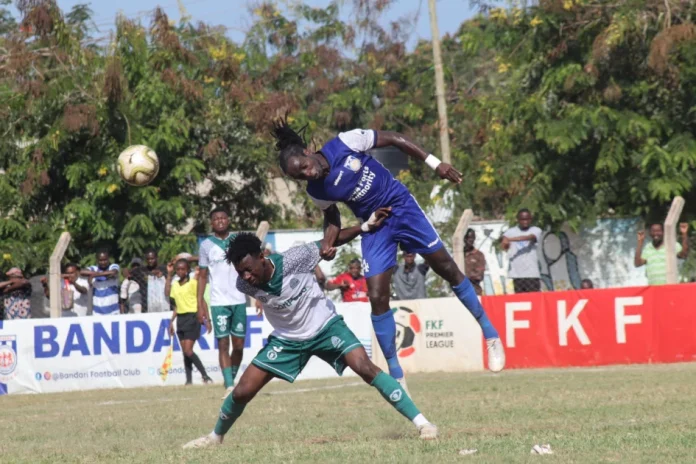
342,171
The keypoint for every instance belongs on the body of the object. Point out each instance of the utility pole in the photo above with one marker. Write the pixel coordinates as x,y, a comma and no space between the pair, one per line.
439,84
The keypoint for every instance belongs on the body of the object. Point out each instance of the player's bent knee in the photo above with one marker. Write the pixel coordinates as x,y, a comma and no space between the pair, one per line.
237,344
241,394
224,343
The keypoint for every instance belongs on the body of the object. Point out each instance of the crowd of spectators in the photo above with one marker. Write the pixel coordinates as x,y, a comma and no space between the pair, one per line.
106,289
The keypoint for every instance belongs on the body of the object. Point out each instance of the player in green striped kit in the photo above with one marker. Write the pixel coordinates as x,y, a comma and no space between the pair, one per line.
227,304
306,324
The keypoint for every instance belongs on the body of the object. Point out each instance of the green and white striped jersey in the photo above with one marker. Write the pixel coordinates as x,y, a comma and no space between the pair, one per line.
292,300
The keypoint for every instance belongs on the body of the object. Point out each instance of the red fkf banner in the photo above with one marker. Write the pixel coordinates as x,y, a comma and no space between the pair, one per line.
596,327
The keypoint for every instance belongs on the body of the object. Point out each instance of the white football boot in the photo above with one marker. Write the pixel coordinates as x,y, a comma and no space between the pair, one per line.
496,354
205,441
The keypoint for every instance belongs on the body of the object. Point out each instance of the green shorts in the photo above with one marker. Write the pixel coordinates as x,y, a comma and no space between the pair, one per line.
229,320
286,358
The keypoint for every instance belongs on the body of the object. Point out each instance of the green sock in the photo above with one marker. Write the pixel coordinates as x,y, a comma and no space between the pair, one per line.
395,395
229,413
234,370
228,376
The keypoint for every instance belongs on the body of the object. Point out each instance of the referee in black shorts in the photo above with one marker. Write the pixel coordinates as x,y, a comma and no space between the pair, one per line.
184,293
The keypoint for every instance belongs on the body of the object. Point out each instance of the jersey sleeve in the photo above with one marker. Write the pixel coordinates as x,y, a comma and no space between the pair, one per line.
301,259
359,140
245,288
537,233
203,254
322,204
114,267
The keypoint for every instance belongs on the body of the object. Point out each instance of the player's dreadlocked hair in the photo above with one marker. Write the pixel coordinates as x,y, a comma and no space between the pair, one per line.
245,243
288,142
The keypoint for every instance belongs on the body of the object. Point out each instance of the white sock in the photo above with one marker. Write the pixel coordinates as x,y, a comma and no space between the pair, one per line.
216,437
420,420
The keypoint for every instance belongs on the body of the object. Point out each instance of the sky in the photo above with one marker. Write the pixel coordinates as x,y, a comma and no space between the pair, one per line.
234,14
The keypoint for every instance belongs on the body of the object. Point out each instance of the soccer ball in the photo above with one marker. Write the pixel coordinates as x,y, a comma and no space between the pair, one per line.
138,165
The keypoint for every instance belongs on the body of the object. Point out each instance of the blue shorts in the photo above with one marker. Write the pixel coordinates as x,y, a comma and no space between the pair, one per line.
409,227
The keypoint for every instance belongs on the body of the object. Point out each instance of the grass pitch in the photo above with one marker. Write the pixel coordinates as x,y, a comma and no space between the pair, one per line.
616,414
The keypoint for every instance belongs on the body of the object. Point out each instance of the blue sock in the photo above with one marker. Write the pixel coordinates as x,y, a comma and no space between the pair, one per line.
385,330
467,295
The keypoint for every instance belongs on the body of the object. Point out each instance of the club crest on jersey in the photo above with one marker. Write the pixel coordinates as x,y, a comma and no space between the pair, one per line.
352,163
294,283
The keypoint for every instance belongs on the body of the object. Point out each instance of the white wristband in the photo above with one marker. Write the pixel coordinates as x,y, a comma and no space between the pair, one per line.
432,161
364,227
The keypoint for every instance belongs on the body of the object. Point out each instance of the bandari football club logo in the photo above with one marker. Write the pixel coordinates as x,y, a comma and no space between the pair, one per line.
8,357
408,326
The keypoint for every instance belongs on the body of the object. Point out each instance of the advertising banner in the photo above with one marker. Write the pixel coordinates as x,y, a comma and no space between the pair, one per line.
597,327
53,355
437,334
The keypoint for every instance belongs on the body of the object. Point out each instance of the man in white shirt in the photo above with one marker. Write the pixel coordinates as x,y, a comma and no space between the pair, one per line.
521,244
228,305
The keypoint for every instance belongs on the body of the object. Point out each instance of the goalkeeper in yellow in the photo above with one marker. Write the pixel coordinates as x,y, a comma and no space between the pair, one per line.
306,324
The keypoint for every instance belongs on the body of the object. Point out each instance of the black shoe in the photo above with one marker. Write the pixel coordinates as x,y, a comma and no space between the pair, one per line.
207,380
188,383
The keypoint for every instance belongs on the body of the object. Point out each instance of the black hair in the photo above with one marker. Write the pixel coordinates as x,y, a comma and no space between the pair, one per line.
103,251
471,231
182,260
149,250
68,265
523,210
245,243
288,142
219,209
657,224
354,261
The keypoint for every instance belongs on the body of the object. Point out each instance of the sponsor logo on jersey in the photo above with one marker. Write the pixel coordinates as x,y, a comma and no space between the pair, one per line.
364,185
290,301
337,342
294,282
338,179
395,396
352,163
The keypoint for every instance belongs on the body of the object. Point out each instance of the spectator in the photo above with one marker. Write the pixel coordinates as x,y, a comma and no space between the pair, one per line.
655,254
17,295
75,292
151,280
409,279
184,293
474,262
521,244
131,298
586,284
104,280
352,284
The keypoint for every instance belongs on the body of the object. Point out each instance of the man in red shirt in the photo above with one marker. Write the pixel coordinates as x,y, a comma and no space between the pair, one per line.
352,284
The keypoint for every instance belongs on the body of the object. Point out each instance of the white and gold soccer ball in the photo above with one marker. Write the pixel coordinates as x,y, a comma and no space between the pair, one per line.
138,165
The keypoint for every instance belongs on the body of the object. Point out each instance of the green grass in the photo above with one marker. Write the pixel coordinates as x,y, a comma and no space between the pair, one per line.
618,414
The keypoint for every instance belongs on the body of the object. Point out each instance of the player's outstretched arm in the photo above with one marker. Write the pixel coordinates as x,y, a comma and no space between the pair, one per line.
400,141
375,222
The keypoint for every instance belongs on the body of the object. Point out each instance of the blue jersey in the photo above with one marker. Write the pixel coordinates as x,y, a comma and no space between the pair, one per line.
356,178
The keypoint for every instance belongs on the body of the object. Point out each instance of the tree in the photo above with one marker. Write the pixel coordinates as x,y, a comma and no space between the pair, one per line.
70,108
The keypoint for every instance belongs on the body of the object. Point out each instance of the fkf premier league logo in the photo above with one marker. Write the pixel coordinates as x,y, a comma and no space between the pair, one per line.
8,357
408,326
